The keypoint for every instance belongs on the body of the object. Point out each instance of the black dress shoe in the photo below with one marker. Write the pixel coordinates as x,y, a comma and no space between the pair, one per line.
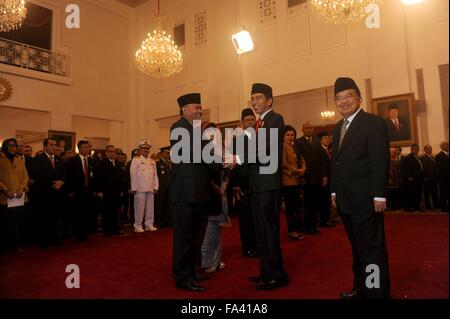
355,293
250,253
254,278
201,276
271,284
192,286
327,225
313,232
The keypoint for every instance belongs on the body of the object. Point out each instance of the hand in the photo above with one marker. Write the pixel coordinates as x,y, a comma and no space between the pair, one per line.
324,181
19,195
100,195
380,206
132,192
333,201
300,171
237,193
10,194
229,165
57,185
217,190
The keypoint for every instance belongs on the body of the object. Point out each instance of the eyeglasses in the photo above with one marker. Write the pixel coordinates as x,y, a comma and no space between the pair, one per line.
339,99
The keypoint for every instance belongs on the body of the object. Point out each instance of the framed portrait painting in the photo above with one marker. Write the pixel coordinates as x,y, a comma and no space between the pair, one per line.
65,140
399,113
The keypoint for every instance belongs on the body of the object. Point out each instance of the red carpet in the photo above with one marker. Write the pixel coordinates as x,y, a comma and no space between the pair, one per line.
138,266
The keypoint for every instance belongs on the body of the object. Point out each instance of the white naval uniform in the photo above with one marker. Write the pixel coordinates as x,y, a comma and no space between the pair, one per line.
144,181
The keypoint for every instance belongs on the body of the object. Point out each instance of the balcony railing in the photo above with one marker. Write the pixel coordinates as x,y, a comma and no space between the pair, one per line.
33,58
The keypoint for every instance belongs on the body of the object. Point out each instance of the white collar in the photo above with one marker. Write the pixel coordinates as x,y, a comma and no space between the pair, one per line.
49,156
352,117
264,114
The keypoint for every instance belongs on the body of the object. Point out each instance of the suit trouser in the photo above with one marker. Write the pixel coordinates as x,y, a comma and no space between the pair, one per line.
430,191
111,213
82,215
292,206
46,210
413,194
246,227
324,205
366,234
443,193
144,209
266,218
312,199
187,233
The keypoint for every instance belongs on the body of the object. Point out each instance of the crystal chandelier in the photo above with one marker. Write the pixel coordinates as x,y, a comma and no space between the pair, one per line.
327,115
341,12
12,14
159,56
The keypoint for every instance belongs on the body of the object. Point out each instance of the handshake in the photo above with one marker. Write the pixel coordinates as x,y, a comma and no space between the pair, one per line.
230,161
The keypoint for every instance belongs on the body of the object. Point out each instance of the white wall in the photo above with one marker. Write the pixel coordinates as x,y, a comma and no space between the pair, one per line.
294,53
98,86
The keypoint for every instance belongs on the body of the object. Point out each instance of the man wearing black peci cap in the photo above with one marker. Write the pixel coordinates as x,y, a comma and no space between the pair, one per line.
189,192
359,179
398,128
266,194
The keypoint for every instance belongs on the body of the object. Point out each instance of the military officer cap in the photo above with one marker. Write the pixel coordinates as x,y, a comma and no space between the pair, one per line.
191,98
262,88
144,143
343,84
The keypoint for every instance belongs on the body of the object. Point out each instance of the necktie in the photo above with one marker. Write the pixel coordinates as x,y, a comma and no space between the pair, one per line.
420,163
258,124
343,131
52,159
328,152
397,126
86,172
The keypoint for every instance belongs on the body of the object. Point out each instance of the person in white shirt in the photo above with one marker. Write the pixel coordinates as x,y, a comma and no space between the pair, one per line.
144,185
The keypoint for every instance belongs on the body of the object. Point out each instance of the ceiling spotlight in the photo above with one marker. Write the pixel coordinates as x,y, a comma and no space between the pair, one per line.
242,42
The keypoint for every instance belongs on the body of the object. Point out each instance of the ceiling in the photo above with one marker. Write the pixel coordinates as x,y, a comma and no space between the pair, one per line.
132,3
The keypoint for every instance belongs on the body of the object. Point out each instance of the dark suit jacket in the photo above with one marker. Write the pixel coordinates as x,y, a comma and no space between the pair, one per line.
429,168
191,181
411,169
311,152
442,166
240,175
108,179
403,134
360,167
44,174
268,182
75,176
326,161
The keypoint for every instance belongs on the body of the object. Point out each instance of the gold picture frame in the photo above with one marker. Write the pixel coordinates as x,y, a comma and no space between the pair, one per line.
399,113
65,140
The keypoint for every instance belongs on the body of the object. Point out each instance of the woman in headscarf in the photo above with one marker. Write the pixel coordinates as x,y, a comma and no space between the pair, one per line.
13,186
